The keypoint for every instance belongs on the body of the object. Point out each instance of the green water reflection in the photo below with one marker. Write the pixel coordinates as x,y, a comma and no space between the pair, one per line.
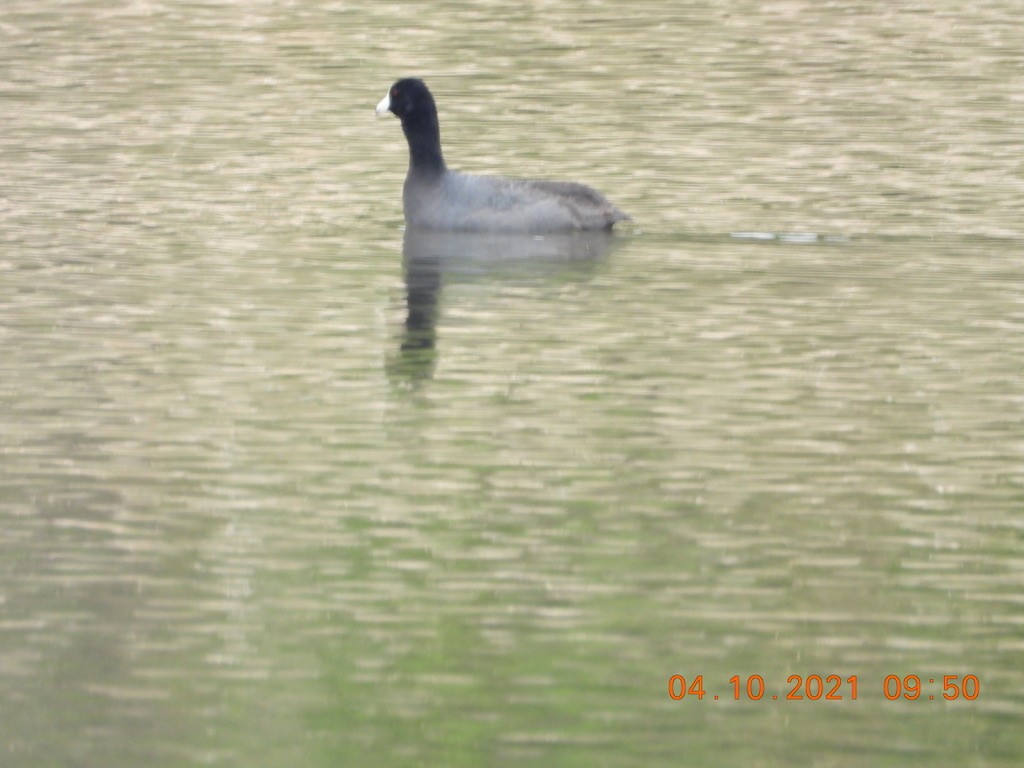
279,486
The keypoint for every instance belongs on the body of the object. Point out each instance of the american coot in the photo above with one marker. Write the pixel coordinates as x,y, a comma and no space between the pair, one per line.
439,199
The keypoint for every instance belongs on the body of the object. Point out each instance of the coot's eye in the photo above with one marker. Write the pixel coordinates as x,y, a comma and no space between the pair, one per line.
394,93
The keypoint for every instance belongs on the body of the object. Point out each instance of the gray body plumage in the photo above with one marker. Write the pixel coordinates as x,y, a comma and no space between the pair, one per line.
455,201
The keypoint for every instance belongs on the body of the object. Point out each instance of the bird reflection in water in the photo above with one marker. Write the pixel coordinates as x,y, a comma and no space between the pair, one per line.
434,258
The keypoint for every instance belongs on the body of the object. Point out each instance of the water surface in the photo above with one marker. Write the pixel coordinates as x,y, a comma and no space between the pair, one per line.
280,484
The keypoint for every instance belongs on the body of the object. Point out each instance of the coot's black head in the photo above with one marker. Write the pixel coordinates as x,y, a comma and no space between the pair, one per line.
408,98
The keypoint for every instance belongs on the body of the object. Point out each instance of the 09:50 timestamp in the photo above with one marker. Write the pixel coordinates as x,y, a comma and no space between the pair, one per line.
831,688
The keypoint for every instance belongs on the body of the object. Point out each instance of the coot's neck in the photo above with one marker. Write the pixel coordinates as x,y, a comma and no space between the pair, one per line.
424,136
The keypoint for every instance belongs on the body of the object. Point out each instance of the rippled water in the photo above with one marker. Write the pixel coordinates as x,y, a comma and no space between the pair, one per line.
280,485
